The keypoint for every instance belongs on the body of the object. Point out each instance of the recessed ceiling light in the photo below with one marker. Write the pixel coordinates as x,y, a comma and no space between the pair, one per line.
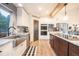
20,5
39,8
47,12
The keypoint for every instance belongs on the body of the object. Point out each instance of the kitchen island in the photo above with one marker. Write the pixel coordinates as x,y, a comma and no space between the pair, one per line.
63,44
14,46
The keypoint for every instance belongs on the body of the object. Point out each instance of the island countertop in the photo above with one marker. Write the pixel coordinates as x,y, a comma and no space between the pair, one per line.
72,39
8,50
6,46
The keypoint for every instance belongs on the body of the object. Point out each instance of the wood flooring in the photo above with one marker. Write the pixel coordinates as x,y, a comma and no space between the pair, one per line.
43,48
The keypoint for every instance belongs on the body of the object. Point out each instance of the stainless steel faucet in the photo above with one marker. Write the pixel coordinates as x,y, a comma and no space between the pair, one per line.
10,28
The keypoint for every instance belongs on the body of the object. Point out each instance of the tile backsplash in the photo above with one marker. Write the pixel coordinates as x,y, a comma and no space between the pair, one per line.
22,29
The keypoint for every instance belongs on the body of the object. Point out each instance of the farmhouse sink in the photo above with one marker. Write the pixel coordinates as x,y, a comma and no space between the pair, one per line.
12,37
16,39
3,41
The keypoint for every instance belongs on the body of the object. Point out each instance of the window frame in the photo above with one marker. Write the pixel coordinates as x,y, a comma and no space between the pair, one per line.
11,14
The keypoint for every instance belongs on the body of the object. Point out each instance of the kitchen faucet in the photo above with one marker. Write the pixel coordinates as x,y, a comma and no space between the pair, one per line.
10,28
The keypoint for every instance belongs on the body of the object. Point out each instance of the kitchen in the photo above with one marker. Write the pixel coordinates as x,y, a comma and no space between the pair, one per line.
39,29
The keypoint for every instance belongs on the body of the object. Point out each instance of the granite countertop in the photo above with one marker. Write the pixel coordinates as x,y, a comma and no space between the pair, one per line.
74,39
9,51
5,41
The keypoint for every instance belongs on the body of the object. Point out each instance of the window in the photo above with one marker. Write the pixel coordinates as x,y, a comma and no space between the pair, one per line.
4,21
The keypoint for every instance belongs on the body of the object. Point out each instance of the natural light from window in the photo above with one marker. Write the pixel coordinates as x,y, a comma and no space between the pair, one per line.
4,12
4,22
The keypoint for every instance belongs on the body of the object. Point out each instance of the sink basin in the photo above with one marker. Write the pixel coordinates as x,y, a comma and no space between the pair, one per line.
16,40
73,38
12,37
3,41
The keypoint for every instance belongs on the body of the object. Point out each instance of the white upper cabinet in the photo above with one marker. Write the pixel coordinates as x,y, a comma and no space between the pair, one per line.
22,17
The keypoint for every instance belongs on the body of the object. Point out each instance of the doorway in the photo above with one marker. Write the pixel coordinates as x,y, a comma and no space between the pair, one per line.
36,30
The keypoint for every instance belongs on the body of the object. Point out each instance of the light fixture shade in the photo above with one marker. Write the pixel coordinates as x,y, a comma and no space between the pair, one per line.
65,17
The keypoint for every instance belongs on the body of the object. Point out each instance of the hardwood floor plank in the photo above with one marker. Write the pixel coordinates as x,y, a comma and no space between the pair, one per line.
43,48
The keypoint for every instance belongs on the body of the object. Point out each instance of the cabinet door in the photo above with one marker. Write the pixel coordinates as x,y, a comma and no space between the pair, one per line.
63,47
51,41
73,50
56,45
22,17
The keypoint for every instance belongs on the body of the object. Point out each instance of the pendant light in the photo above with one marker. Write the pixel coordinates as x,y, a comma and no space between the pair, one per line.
65,17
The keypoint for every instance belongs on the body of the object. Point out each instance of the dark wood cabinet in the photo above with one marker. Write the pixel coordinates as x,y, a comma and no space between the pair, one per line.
63,47
59,45
56,45
51,41
73,50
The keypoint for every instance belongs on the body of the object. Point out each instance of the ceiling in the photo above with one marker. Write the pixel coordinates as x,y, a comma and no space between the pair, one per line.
45,9
38,9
